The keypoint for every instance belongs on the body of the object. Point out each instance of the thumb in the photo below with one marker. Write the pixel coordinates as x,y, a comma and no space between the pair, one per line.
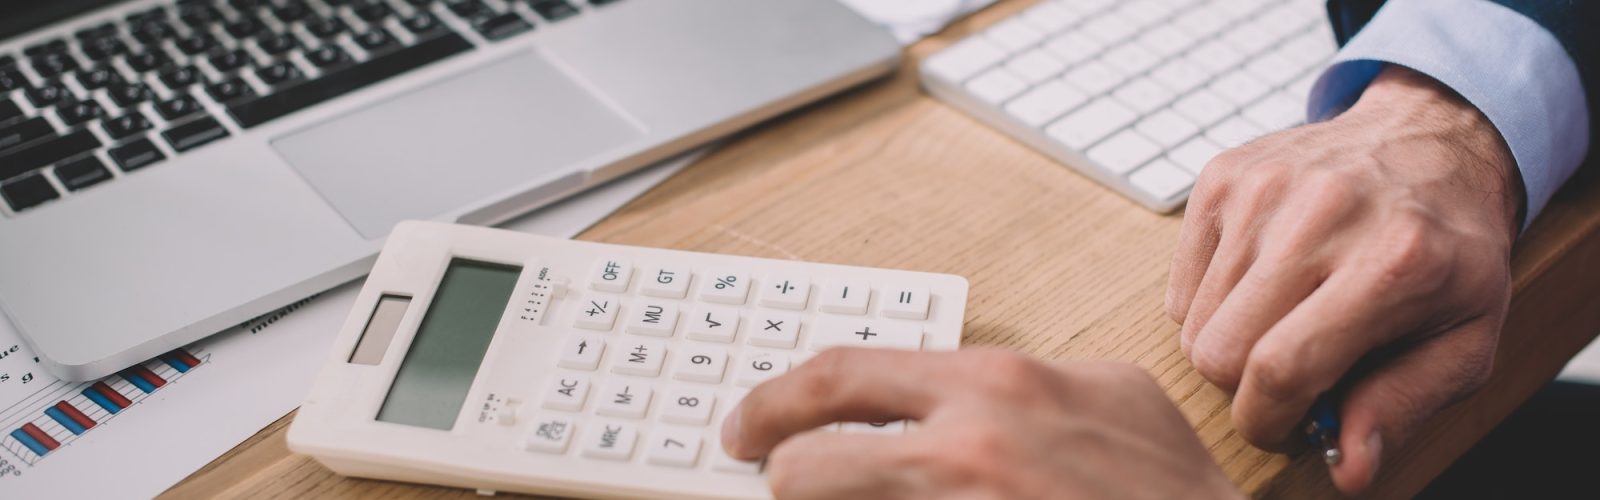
1384,408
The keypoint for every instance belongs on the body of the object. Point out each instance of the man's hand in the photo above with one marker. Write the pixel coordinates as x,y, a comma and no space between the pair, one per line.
990,424
1382,236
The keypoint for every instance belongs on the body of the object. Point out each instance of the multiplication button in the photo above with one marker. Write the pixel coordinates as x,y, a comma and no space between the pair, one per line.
611,275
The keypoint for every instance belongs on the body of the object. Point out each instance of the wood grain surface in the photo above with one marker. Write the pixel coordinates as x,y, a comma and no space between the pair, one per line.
885,176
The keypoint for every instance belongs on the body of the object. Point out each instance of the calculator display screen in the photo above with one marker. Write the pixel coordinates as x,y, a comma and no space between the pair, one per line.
438,369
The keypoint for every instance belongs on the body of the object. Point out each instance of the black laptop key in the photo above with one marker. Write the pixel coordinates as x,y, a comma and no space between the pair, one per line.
325,27
469,9
502,26
82,172
194,134
374,39
371,11
25,132
12,79
277,44
244,27
229,60
197,14
126,125
554,10
135,155
421,3
601,2
53,64
336,83
55,46
327,56
290,11
147,60
100,49
177,107
94,78
151,32
77,112
9,111
128,95
279,73
48,94
197,43
180,78
228,90
151,14
40,153
245,5
421,23
8,60
28,192
97,31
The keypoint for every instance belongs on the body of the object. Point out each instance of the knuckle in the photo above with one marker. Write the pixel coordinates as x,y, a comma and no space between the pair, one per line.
1007,373
1412,257
1275,374
1216,366
984,448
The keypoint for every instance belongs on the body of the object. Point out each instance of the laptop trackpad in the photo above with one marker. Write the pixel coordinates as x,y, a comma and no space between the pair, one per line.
454,143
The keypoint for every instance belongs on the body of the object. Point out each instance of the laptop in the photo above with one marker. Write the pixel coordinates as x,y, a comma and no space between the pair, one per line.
171,169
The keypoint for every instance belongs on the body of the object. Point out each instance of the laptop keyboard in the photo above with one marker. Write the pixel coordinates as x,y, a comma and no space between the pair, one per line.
124,94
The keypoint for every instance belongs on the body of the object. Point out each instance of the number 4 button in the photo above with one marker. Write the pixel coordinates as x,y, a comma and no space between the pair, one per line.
906,303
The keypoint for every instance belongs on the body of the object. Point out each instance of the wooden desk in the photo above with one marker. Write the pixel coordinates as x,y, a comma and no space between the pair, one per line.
886,176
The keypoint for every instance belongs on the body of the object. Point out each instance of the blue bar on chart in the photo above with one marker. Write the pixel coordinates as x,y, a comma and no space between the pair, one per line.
35,439
65,421
181,360
106,397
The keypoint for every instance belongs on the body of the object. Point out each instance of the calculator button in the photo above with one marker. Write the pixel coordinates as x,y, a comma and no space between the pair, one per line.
666,282
622,399
714,324
786,292
567,393
549,435
611,276
701,364
721,462
656,319
674,447
598,314
610,441
583,352
689,406
906,303
845,297
759,368
895,427
774,330
725,288
640,357
842,332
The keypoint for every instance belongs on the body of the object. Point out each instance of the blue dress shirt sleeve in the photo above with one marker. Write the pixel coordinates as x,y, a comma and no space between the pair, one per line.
1502,62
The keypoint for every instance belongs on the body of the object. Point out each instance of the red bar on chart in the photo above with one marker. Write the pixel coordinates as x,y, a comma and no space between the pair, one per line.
186,358
148,376
38,434
76,416
112,394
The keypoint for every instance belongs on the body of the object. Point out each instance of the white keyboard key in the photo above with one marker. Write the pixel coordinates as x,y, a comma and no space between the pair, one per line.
667,283
611,275
1273,69
1089,124
1144,95
906,303
1233,132
770,329
725,288
1109,28
674,447
964,59
1276,112
846,297
1132,59
1045,103
786,292
1074,47
599,314
1285,19
1180,75
582,352
1124,152
1094,77
1300,89
610,441
1014,34
639,357
689,406
761,367
1143,13
721,462
1248,38
1239,88
1311,46
996,85
895,427
1035,66
1051,16
1162,180
1194,155
1237,9
714,324
1166,41
1201,22
1167,128
1215,56
1203,107
566,393
850,332
656,319
625,399
549,435
701,363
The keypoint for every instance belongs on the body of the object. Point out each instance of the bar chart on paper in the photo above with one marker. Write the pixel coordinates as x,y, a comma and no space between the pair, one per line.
47,414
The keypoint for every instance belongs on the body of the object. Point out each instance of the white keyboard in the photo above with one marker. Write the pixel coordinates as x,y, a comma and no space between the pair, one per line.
503,361
1139,95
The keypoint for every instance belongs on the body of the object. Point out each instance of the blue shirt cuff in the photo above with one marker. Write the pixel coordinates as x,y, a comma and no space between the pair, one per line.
1502,62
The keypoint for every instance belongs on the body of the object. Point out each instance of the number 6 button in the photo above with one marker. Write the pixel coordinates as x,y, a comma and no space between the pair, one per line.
761,367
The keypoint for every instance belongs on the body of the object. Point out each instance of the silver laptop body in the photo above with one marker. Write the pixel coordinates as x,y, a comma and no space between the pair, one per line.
278,199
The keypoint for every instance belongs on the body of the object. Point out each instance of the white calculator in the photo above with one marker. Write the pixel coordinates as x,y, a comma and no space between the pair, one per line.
502,361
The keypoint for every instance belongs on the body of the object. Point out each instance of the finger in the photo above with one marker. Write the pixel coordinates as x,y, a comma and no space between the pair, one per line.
832,465
862,385
1197,242
1310,349
1229,264
1385,409
1268,291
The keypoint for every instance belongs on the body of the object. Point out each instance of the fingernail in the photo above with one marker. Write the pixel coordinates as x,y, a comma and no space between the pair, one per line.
730,431
1375,448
